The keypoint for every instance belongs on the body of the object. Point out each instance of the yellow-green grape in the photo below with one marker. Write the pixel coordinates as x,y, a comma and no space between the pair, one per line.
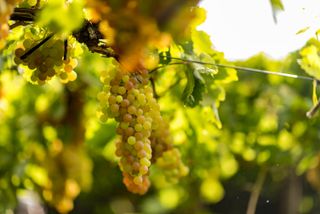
160,138
41,61
131,140
106,99
60,189
164,154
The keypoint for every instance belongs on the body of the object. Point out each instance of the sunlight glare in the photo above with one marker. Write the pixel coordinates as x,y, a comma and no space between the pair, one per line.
243,28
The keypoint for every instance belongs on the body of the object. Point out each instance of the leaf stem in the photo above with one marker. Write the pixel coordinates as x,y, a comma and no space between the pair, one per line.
246,69
163,66
256,190
154,88
65,53
313,110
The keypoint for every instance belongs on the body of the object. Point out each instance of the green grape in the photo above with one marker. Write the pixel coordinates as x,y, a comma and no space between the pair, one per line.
124,125
138,127
147,125
121,90
131,140
102,97
27,43
119,99
145,162
172,166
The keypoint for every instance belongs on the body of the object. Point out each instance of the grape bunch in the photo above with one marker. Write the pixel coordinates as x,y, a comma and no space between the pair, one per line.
6,9
166,157
172,166
60,190
144,136
161,139
130,101
46,61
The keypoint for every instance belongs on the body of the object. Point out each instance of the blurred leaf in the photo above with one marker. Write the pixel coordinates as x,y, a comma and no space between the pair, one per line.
202,42
212,190
302,30
310,61
187,92
314,92
60,16
187,47
276,6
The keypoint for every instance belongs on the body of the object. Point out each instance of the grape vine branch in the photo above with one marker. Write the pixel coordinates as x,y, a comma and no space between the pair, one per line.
87,34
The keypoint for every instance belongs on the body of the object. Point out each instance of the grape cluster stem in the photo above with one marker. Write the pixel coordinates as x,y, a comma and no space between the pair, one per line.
34,48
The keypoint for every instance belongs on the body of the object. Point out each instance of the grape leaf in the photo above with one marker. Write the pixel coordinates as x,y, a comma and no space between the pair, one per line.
302,30
187,92
310,61
187,47
59,18
276,6
202,42
196,96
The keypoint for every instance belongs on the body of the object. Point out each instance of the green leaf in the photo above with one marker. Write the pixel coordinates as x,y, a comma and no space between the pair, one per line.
302,30
317,34
187,47
196,95
202,42
187,92
217,120
62,17
276,6
213,94
310,61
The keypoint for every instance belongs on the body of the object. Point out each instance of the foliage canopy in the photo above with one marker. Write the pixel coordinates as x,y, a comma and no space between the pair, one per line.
82,85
